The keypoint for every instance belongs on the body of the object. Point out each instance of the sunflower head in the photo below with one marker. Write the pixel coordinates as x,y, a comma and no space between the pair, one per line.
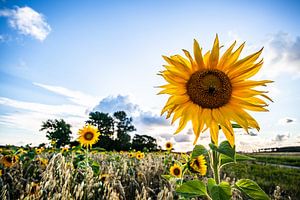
64,149
176,171
88,135
34,188
198,165
130,154
169,146
104,177
38,150
9,160
213,91
140,155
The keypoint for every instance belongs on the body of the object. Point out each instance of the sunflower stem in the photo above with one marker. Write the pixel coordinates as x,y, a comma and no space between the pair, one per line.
86,156
215,166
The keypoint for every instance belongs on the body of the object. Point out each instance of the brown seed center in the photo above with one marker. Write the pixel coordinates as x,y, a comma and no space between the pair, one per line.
209,88
176,171
88,136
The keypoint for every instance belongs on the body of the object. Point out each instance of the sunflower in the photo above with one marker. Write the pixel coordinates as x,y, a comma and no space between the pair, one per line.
175,170
198,165
213,92
140,155
104,177
169,146
38,151
88,135
9,160
131,155
64,149
34,188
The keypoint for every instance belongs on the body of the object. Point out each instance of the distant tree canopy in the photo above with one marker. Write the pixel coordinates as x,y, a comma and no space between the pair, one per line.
58,131
142,142
114,132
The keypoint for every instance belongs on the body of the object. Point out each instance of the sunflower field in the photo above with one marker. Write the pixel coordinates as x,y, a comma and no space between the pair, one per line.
211,91
71,173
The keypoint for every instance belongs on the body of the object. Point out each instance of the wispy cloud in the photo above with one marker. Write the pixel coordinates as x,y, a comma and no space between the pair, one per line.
27,22
74,96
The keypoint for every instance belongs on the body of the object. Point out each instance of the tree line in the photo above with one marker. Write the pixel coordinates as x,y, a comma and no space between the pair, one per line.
114,130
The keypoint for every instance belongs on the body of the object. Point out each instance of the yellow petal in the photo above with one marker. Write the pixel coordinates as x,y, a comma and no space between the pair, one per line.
194,65
233,57
214,132
198,55
225,56
214,57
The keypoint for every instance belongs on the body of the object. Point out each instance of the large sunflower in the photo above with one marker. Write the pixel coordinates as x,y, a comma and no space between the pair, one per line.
88,135
213,92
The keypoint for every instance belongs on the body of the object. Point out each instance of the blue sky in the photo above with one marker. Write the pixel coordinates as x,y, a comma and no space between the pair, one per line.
62,59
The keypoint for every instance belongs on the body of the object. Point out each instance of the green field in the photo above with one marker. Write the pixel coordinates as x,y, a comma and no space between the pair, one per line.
269,176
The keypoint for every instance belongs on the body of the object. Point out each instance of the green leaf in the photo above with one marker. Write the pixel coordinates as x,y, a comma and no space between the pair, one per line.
225,160
226,149
251,189
192,188
210,183
198,150
241,157
238,157
96,168
213,147
167,177
236,126
221,191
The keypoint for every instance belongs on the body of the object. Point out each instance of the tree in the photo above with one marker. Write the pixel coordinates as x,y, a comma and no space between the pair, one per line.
123,127
58,131
141,142
105,124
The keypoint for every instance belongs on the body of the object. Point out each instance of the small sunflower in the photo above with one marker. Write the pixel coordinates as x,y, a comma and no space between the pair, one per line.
169,146
140,155
34,188
38,151
198,165
65,149
213,92
43,162
88,135
176,170
9,160
131,155
104,177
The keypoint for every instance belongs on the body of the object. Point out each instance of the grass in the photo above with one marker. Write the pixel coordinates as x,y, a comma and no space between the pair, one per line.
268,177
278,158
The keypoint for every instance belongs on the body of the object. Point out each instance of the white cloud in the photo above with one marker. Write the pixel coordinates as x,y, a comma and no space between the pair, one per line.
74,96
282,55
27,21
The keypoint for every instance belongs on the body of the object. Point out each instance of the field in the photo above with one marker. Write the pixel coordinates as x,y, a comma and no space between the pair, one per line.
68,174
269,176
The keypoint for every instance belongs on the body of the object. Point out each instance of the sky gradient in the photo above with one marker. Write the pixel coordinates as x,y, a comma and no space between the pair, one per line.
63,59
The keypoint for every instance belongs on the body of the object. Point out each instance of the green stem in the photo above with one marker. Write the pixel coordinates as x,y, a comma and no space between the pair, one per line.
86,156
215,165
